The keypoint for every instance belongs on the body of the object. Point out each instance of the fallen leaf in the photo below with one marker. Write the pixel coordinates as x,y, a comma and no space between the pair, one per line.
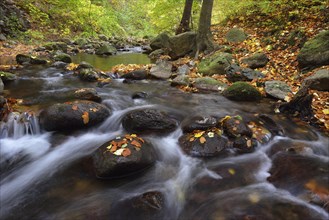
126,152
85,117
109,147
136,143
231,171
191,139
74,107
202,140
211,134
326,111
119,152
124,145
198,134
249,144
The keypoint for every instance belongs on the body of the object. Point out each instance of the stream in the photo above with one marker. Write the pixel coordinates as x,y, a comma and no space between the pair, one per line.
46,176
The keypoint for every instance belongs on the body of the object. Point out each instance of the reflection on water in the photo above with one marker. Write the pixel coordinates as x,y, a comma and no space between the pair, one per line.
105,63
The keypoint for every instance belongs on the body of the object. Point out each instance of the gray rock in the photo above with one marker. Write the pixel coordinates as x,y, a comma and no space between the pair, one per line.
318,81
155,55
198,122
106,49
2,37
23,59
315,52
183,70
180,80
107,165
235,73
182,44
63,57
136,75
209,84
148,121
277,89
235,35
215,63
160,41
72,116
256,60
162,70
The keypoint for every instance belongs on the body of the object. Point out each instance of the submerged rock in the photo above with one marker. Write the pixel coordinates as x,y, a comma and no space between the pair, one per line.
73,115
148,121
123,156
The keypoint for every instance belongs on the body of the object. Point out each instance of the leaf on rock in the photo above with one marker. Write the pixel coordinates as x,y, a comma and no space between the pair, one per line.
198,134
191,139
211,134
202,140
109,147
74,107
119,152
136,144
124,145
85,117
249,143
126,152
326,111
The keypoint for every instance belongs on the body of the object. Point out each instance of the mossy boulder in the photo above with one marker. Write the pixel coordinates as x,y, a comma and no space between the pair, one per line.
63,57
215,63
160,41
315,52
56,46
182,44
235,35
256,60
23,59
6,76
242,91
106,49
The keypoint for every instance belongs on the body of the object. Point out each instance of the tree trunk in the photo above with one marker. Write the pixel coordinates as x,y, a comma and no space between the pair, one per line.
204,36
185,22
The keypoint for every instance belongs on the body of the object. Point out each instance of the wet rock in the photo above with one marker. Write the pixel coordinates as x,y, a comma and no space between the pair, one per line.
88,74
160,41
156,54
136,75
293,146
256,60
214,145
109,165
256,202
182,44
84,65
54,46
318,81
198,123
147,121
38,61
106,49
86,94
149,205
235,73
236,127
215,63
209,84
277,89
59,65
244,144
315,52
295,172
139,95
180,80
235,35
63,57
183,70
271,125
7,76
241,91
162,70
23,59
72,116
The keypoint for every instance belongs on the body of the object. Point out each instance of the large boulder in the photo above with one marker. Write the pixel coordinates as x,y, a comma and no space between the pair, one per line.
123,156
136,75
198,122
162,70
318,81
215,63
106,49
147,121
182,44
160,41
241,91
63,57
277,89
235,35
73,115
315,52
256,60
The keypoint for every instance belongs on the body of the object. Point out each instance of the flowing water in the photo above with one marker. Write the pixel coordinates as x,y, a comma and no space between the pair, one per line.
46,175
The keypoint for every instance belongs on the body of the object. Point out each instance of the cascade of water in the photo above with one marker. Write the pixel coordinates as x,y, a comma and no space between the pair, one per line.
19,124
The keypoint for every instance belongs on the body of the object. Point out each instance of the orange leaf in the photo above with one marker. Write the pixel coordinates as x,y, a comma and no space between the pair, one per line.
136,143
126,152
74,107
85,117
113,148
202,140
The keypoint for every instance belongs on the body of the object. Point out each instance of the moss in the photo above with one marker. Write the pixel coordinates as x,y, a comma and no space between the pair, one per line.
215,64
207,80
6,76
242,91
319,43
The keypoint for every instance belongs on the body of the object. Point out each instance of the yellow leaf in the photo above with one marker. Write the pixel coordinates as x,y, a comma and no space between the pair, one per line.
199,134
202,140
326,111
119,152
231,171
85,117
249,144
109,147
